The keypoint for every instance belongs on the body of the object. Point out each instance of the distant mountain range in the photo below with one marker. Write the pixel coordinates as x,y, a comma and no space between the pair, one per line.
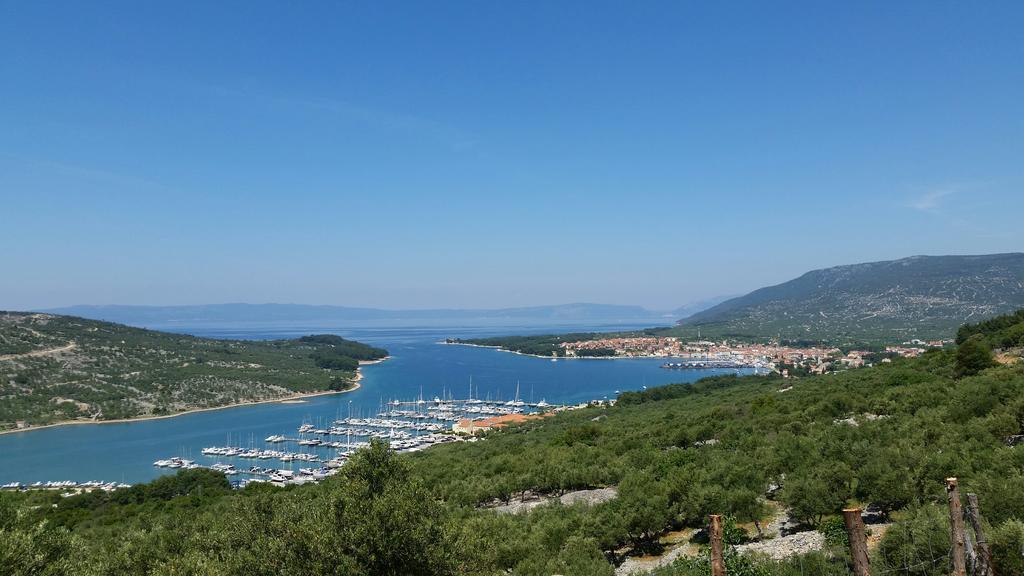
692,308
560,314
916,297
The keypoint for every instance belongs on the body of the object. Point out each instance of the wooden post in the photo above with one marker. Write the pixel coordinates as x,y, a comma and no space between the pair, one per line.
971,557
984,552
858,541
956,525
717,560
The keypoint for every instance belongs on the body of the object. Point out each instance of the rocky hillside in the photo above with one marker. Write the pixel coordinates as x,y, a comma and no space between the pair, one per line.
55,368
919,297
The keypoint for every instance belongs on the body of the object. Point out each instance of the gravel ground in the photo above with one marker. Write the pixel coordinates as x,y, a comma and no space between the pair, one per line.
645,564
589,497
786,546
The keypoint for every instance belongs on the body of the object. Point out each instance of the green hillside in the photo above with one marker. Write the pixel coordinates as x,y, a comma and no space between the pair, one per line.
57,368
753,448
924,297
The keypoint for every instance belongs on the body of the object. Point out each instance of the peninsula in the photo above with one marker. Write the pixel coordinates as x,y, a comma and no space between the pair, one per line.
56,369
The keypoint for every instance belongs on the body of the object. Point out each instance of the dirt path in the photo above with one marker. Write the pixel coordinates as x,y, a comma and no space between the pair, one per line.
36,353
677,545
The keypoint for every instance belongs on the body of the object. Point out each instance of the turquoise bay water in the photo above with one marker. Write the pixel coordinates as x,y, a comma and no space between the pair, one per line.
125,452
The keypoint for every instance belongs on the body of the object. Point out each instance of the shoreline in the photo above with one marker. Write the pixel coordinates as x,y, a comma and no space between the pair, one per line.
291,399
560,358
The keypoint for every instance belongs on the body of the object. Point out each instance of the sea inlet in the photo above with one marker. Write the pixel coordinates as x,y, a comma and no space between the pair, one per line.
419,367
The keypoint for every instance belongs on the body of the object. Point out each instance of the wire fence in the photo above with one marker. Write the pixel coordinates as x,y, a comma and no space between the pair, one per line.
927,543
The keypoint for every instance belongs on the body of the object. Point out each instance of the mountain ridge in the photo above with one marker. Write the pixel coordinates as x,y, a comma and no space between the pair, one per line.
913,297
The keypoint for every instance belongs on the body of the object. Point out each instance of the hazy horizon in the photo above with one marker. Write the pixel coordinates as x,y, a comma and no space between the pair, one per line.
694,305
391,307
478,156
697,302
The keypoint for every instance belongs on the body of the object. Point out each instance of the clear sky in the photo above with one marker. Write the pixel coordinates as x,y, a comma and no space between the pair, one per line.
486,154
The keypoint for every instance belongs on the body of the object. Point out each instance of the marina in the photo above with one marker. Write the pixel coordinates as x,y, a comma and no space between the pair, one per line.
405,425
66,485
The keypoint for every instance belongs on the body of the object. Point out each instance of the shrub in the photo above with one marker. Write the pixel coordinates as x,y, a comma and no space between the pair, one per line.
834,530
1007,542
973,356
917,545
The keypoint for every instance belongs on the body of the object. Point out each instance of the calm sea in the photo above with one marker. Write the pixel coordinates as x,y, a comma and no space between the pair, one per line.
418,365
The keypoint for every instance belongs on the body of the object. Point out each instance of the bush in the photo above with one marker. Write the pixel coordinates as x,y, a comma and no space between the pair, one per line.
973,356
834,530
917,545
1007,542
733,534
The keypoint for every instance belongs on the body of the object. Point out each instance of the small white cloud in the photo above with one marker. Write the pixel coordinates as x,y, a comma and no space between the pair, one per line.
930,200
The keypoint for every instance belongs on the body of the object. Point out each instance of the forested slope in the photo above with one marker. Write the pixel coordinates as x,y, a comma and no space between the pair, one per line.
55,368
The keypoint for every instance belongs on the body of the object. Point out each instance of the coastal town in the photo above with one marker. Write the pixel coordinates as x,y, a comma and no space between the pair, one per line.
784,358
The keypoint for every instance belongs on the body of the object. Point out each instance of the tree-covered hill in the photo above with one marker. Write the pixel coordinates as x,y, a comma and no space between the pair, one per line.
925,297
749,448
56,368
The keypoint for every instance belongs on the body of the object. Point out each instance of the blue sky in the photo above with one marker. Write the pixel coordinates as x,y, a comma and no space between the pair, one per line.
484,154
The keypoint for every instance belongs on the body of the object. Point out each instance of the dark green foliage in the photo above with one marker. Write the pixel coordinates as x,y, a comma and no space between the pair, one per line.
343,347
1007,544
183,483
996,327
188,489
330,360
816,492
733,534
973,356
332,352
674,391
376,490
834,530
917,545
